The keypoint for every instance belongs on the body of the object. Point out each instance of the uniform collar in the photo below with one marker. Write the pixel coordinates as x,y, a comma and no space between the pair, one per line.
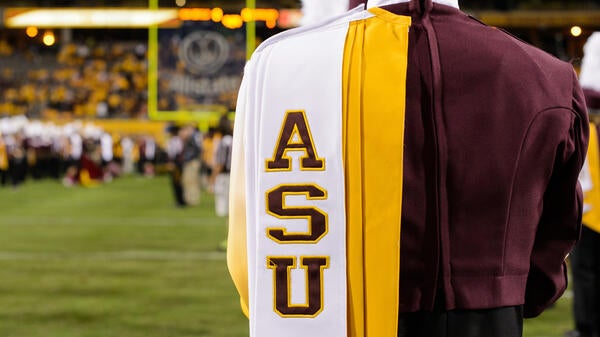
379,3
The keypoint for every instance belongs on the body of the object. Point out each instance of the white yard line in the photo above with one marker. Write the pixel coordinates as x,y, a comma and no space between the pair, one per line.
114,256
102,221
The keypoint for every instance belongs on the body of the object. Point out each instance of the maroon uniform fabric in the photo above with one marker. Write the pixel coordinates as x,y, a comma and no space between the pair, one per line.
354,3
496,134
592,98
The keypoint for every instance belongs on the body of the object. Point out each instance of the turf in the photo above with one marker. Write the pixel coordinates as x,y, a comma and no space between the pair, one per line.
121,260
115,260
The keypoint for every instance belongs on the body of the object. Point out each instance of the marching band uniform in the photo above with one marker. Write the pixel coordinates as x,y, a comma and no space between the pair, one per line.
480,139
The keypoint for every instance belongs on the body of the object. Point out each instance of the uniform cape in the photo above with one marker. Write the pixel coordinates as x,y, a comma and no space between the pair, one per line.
314,231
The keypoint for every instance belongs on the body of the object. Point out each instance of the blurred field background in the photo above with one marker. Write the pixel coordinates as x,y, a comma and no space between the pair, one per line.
116,260
121,260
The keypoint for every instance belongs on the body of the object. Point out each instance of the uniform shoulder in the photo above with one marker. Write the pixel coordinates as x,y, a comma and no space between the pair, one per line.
498,40
536,54
334,22
557,75
491,57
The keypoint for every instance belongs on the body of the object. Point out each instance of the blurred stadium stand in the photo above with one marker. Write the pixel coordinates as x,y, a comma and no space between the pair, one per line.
470,4
227,4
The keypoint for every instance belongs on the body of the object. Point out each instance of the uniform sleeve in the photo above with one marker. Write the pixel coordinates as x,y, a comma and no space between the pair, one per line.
237,256
592,98
560,224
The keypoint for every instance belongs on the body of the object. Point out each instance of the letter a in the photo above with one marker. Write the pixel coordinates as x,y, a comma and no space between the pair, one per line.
295,136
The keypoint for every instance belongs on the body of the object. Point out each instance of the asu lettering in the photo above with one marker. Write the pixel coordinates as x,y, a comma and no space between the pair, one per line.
282,266
295,135
317,219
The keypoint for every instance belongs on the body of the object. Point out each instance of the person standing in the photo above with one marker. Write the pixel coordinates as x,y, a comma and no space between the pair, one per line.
207,160
174,153
107,155
17,161
422,173
221,171
190,178
75,149
3,162
585,258
129,154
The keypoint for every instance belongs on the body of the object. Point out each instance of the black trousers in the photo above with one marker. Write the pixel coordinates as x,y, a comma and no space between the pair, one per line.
585,265
177,187
17,170
498,322
3,177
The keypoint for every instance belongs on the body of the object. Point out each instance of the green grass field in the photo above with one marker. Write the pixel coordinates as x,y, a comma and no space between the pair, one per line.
120,260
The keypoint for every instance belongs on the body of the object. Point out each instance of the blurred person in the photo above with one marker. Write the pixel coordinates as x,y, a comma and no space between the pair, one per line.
71,176
191,165
174,154
207,160
585,258
40,148
106,150
128,156
215,140
75,149
145,164
466,140
117,150
17,162
63,150
221,171
590,72
56,162
90,169
3,162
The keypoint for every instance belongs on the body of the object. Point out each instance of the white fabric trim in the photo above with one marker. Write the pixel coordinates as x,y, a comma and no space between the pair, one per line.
379,3
300,69
357,13
585,180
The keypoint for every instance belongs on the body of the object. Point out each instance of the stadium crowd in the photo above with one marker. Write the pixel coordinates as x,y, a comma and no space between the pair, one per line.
80,80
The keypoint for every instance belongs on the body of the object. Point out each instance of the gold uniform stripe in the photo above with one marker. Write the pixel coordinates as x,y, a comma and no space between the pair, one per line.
374,89
592,197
